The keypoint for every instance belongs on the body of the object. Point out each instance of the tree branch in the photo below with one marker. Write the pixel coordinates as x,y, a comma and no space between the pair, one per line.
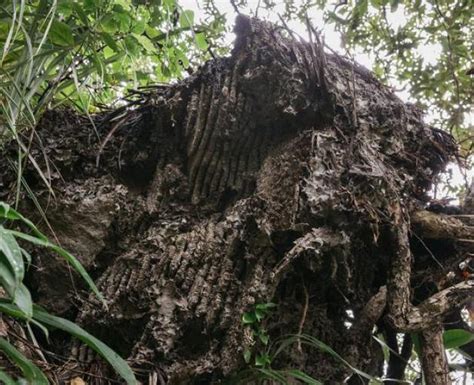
433,357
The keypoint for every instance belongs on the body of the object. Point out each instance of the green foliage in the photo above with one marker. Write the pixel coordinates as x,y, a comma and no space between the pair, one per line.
13,255
305,339
44,318
13,264
263,371
119,365
452,339
283,377
30,371
455,338
87,54
62,51
399,35
56,52
253,320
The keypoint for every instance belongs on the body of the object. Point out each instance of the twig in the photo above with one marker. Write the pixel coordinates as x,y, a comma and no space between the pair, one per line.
109,136
303,316
236,9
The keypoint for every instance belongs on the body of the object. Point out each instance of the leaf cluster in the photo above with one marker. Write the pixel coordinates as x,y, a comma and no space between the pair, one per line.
17,303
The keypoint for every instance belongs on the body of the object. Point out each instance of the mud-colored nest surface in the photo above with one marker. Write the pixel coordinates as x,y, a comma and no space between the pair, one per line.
279,174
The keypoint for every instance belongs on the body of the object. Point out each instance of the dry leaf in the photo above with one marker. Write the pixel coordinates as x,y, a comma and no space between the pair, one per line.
78,381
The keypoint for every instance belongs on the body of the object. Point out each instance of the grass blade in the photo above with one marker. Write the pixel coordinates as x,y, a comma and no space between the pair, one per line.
12,252
31,372
118,363
7,212
63,253
273,375
6,379
299,375
23,300
454,338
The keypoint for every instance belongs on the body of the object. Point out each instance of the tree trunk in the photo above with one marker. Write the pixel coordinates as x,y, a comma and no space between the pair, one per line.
279,174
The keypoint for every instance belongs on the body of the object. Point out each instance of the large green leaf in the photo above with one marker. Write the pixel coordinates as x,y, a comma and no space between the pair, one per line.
6,379
306,339
8,212
415,337
274,375
61,34
299,375
7,280
66,255
41,317
118,363
456,338
145,42
12,252
31,372
186,19
23,300
80,13
201,41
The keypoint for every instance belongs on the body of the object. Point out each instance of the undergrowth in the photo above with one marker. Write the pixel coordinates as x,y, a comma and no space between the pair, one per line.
16,301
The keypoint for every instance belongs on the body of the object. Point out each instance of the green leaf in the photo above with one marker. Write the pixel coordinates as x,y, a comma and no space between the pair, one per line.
118,363
61,34
63,253
80,13
152,32
264,338
124,22
131,44
6,379
260,314
314,342
12,252
358,12
8,213
23,300
274,375
201,41
64,8
299,375
109,40
266,306
7,279
31,372
186,19
91,5
169,3
416,343
247,356
11,309
262,360
138,26
249,318
145,42
27,256
455,338
109,24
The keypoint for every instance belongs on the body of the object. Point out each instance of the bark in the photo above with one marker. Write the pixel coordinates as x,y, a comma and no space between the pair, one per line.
433,359
279,174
